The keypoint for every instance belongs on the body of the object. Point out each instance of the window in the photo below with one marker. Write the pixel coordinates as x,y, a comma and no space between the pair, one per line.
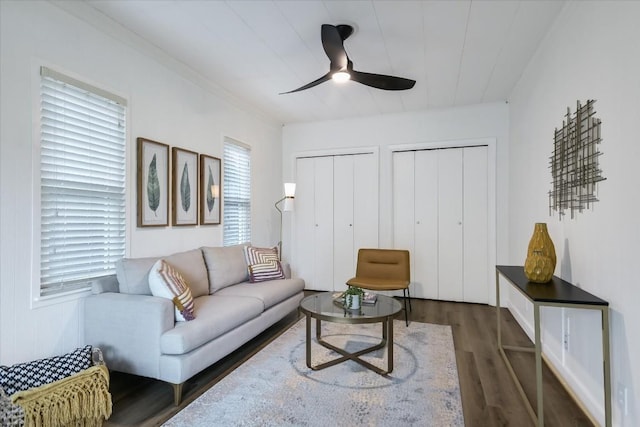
237,193
82,183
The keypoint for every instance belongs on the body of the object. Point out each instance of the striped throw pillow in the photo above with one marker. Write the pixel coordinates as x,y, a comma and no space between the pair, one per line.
256,255
264,264
167,282
265,271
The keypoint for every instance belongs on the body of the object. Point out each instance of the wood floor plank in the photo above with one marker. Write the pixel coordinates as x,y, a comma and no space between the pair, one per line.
474,405
489,396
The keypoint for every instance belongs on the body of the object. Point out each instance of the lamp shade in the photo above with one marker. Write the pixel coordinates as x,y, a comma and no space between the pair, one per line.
289,189
289,194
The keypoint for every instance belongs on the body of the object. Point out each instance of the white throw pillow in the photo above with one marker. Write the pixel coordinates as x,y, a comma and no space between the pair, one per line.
166,282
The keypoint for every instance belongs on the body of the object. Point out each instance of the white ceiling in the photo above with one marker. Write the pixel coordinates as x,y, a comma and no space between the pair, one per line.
459,52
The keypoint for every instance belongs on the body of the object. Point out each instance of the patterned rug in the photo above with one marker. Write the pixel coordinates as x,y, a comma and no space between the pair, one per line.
275,387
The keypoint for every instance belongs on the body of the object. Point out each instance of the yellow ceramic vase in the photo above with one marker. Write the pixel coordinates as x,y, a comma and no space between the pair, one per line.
541,255
538,268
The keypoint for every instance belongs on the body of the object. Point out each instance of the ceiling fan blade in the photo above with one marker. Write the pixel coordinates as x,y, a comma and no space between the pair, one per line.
333,46
381,81
312,84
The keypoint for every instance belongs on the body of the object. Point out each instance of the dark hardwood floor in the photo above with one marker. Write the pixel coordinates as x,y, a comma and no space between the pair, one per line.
489,397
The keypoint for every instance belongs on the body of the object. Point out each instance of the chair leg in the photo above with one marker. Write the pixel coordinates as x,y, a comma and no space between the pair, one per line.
406,312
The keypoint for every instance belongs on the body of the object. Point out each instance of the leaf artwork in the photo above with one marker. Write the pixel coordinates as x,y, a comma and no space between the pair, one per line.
185,189
210,199
153,187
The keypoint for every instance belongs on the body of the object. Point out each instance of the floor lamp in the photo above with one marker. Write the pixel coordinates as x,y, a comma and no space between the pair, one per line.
289,195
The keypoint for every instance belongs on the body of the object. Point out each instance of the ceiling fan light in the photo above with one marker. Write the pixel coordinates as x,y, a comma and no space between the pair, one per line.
340,76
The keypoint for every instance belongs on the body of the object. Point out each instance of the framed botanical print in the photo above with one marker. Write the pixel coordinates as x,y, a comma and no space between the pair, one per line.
184,172
210,189
153,183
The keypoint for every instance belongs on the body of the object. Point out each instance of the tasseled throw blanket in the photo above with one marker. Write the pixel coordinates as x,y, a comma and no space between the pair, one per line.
80,400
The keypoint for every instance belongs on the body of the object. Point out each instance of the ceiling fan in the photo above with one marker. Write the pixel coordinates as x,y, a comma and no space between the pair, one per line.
341,67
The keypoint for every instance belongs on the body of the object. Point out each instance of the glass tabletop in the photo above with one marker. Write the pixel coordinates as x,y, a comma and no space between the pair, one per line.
325,306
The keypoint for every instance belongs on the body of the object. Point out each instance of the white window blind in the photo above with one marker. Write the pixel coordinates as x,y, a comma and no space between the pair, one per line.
82,181
237,194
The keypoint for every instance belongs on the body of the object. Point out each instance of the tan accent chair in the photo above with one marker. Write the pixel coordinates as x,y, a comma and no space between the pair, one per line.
384,270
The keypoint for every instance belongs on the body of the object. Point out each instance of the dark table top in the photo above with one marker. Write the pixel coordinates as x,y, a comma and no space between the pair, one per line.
556,291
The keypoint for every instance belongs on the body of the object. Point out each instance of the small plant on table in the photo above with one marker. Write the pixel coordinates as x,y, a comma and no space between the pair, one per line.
353,297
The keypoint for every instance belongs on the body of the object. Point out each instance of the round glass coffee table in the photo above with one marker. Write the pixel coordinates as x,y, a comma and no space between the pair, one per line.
323,306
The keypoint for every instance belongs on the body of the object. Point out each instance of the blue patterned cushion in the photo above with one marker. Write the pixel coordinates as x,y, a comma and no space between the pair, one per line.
24,376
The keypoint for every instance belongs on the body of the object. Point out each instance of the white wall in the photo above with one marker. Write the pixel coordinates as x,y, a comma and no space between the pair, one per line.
592,52
433,126
165,104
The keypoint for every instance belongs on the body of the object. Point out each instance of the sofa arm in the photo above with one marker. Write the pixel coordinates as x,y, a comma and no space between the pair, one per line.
127,328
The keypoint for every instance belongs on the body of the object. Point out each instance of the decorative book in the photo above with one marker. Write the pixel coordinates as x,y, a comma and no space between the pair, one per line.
368,298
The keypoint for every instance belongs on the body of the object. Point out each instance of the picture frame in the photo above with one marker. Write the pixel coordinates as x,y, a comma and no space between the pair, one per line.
153,183
210,189
184,172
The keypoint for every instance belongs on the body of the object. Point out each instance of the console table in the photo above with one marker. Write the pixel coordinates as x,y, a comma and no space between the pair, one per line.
557,293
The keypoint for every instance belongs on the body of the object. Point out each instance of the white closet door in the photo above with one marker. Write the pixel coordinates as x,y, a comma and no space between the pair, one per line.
476,270
425,268
323,236
365,203
403,204
304,220
343,221
450,225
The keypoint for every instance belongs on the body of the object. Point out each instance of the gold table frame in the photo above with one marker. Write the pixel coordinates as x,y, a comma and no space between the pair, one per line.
322,307
557,293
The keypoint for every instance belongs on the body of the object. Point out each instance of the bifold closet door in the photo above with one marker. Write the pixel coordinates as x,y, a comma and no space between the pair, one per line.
336,214
426,265
450,225
343,256
314,222
415,219
404,211
355,210
476,221
440,213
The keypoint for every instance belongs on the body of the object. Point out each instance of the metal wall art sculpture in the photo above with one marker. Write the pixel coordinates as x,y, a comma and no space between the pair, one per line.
574,162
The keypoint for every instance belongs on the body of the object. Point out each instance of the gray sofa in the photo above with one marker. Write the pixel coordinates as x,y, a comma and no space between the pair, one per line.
138,334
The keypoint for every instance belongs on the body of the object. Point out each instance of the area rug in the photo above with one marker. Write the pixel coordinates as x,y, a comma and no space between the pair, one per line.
275,387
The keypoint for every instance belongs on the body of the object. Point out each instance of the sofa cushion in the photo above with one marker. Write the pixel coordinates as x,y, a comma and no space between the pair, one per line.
225,265
166,282
192,267
270,293
133,273
216,316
